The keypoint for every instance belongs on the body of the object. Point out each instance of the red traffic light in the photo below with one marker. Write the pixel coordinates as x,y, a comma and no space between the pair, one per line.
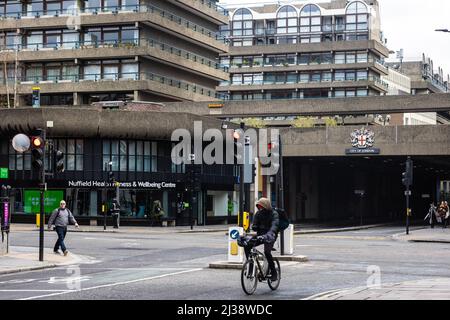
37,142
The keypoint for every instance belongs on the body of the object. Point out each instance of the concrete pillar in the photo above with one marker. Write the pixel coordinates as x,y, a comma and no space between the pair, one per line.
77,99
165,201
93,203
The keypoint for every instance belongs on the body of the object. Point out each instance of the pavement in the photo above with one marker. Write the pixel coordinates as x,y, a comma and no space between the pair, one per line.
21,259
436,235
427,289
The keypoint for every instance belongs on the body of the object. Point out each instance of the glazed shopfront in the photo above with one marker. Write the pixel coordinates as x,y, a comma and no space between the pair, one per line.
141,164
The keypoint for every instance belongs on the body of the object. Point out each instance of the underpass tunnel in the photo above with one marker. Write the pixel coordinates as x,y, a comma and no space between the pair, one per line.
362,189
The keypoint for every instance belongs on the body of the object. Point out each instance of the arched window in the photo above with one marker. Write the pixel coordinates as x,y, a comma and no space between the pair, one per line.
287,20
242,23
310,20
356,16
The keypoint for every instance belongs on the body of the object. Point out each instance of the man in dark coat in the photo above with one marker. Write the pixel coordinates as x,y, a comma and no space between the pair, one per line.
266,224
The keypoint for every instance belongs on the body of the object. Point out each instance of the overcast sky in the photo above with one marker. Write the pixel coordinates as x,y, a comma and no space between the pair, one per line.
410,24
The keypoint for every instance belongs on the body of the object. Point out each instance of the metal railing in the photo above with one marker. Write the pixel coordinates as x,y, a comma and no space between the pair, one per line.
124,43
124,76
301,81
298,63
115,10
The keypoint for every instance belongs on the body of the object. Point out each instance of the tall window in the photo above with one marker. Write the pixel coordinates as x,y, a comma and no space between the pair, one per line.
287,20
357,16
242,23
310,20
131,155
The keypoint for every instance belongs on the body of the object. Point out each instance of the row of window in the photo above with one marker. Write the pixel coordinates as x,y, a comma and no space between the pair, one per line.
297,59
131,155
303,94
260,41
14,8
304,77
73,156
67,38
125,155
89,70
310,20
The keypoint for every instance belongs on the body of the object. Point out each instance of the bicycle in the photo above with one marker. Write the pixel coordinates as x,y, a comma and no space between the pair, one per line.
252,270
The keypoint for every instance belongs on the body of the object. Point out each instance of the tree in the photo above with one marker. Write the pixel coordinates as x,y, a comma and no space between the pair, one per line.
253,122
303,122
330,122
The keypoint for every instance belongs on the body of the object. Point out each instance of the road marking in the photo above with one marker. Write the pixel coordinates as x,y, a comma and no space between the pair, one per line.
114,284
34,290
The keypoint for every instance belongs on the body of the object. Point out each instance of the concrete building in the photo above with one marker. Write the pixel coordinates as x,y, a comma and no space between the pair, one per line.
83,51
304,50
423,79
92,136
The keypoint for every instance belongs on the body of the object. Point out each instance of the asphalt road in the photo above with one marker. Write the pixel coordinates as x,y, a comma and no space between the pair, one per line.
175,266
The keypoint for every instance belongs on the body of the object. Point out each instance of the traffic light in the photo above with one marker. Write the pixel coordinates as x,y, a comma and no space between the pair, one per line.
111,177
270,146
59,161
238,147
407,175
37,152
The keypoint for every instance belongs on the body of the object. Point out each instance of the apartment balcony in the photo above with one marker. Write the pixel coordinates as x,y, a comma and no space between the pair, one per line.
358,45
133,81
370,82
206,9
372,64
148,48
147,14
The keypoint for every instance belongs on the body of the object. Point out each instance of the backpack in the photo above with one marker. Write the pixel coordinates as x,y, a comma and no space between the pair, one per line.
284,219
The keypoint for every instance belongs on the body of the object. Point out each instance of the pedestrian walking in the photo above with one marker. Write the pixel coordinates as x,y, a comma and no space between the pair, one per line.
431,215
61,218
444,213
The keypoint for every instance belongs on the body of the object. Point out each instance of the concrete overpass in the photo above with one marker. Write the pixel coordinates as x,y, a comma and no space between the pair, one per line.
391,140
318,107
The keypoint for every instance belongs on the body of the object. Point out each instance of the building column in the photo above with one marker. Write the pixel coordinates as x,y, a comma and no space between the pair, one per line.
77,99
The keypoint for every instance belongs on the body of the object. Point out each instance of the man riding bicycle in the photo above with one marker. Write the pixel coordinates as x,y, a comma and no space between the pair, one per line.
266,224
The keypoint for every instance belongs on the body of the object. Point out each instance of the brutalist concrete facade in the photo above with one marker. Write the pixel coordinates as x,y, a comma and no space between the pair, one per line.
305,50
83,51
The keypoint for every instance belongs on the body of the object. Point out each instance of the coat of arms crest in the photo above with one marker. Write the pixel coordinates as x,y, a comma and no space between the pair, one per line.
362,138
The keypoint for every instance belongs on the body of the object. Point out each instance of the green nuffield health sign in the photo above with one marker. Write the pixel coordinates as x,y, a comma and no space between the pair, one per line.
51,200
4,173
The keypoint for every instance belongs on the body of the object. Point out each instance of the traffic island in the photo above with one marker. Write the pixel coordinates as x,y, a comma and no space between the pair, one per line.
21,259
238,266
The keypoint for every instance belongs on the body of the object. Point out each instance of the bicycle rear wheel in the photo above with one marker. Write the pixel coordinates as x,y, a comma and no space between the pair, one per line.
249,277
275,284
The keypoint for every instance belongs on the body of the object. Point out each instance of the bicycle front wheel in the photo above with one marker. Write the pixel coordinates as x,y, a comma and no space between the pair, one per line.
249,277
275,284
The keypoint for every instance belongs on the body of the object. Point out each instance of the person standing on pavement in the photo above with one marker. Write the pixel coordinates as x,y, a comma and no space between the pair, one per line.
61,218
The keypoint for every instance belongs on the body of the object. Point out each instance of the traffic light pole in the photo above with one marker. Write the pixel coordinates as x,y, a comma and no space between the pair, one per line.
42,207
241,185
281,197
407,209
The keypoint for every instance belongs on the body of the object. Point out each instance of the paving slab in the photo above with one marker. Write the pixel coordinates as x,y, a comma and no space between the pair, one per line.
427,289
21,259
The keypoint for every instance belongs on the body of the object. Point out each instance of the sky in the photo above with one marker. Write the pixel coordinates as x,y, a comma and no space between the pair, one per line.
409,25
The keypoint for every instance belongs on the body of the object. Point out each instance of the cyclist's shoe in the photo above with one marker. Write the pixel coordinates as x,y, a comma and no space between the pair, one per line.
273,276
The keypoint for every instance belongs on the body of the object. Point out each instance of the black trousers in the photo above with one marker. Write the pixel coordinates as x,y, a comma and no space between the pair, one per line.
268,253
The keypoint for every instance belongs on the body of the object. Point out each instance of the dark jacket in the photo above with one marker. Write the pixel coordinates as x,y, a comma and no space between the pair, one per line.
266,221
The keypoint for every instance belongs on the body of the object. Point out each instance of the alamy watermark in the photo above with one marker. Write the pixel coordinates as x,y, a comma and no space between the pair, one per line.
223,147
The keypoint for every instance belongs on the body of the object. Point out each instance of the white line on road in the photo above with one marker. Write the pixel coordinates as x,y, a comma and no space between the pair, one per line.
114,284
33,290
